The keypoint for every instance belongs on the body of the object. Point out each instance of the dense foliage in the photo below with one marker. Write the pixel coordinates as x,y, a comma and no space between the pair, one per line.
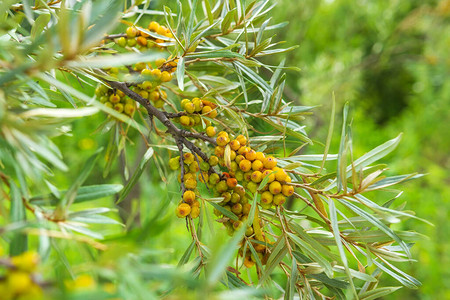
95,132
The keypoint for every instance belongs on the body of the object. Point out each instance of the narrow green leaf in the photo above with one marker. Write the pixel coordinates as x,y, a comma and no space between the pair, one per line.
337,237
224,211
342,154
378,293
71,193
226,22
136,175
19,242
224,255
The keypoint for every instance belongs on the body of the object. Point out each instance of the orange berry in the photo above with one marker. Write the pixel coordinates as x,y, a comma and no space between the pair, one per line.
235,145
141,41
280,174
231,182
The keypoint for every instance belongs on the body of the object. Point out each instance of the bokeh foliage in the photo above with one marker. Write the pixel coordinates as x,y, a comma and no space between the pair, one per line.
389,60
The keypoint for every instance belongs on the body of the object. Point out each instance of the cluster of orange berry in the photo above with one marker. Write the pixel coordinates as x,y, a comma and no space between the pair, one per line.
195,109
251,168
115,100
189,205
135,36
18,280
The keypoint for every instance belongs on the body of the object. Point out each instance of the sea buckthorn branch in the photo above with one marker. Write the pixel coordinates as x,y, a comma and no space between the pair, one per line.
162,116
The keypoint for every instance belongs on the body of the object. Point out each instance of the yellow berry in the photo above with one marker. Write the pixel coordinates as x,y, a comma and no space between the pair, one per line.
266,197
143,94
190,183
279,199
256,176
159,103
270,162
237,208
250,155
154,96
141,41
122,42
195,212
129,109
147,85
114,98
189,107
222,140
183,102
287,190
280,174
275,187
189,197
185,120
198,104
166,76
156,73
118,107
235,145
270,174
219,151
213,160
18,282
257,165
188,158
210,131
174,163
131,42
159,62
245,165
161,30
231,182
241,139
131,32
248,263
183,210
26,261
153,26
260,156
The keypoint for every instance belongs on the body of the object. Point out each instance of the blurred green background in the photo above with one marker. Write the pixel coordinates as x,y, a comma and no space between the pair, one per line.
390,60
